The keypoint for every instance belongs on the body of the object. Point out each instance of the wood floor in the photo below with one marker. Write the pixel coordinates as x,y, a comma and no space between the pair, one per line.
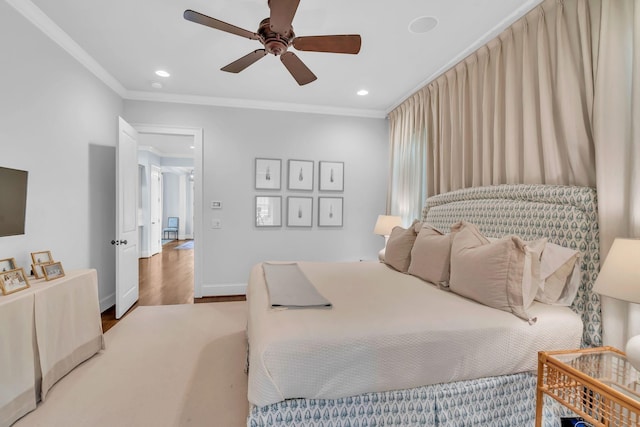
166,278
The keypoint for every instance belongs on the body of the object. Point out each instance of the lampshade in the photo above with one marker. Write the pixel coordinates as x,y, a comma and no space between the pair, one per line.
620,275
385,224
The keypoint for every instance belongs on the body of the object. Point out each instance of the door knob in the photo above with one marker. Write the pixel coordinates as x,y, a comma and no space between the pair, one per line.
115,242
124,242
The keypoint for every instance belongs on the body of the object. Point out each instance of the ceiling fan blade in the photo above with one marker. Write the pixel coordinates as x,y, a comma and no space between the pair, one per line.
335,44
208,21
282,13
245,61
296,67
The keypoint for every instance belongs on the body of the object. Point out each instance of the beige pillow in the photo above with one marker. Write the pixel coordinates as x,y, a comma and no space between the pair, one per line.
560,276
397,253
500,274
430,255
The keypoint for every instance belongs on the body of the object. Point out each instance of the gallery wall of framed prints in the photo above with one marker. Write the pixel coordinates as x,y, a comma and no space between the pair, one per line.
298,208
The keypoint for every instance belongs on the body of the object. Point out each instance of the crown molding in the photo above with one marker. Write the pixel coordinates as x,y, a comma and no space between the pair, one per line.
509,20
41,21
250,103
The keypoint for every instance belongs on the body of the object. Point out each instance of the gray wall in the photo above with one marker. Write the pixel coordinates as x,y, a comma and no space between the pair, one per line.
60,123
233,138
170,196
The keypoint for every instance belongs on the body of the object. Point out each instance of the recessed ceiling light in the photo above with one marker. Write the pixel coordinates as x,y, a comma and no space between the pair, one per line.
422,24
192,146
162,73
363,92
156,85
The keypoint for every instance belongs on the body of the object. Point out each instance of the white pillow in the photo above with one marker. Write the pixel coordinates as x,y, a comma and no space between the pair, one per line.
559,274
502,274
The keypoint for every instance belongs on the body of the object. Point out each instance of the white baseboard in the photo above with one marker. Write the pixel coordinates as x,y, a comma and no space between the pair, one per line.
224,289
107,302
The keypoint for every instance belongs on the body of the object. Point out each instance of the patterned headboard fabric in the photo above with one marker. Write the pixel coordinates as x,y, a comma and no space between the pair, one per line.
566,215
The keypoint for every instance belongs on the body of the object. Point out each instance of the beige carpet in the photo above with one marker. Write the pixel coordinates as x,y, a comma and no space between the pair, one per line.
176,365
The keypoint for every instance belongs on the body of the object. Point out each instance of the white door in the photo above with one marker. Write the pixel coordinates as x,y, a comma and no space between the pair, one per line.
155,233
126,242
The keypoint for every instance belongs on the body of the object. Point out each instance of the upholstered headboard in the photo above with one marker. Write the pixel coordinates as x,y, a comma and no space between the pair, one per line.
566,215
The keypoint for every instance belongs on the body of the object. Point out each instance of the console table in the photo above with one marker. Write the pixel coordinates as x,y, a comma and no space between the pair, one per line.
45,332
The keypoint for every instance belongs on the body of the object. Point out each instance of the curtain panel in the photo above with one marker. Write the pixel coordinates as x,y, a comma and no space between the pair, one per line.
554,99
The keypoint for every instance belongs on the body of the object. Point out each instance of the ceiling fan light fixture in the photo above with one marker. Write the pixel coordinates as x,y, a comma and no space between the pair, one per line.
162,73
423,24
363,92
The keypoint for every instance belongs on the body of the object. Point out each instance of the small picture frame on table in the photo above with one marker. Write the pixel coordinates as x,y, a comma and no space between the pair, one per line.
37,270
41,257
300,175
53,270
13,281
331,176
267,174
7,264
330,211
299,211
268,211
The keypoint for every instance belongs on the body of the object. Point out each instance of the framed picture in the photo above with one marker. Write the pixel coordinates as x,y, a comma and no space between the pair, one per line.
299,211
7,264
13,281
300,175
37,270
268,211
53,270
268,174
331,176
330,211
42,257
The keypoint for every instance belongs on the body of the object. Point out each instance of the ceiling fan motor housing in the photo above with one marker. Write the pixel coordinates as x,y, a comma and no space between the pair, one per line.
273,42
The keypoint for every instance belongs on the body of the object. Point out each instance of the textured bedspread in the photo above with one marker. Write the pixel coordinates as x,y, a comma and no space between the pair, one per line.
387,331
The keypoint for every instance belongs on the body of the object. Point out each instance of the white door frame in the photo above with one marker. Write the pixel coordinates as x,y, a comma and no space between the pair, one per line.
197,134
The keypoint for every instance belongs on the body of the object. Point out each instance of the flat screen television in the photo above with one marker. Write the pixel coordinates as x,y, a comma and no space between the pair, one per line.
13,201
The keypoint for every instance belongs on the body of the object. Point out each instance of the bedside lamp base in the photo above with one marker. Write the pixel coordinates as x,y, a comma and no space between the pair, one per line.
633,352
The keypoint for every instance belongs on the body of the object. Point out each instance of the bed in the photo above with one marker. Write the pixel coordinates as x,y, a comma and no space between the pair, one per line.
395,350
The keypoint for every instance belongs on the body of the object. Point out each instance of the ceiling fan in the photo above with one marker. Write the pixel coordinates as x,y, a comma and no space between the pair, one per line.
276,35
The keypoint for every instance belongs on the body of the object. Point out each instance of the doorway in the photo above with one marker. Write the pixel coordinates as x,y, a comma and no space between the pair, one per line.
192,221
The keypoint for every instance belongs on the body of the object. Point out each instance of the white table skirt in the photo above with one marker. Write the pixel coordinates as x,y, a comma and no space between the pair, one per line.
45,332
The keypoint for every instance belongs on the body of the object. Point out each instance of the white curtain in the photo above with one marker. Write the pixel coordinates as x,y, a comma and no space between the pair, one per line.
407,183
515,111
554,99
616,129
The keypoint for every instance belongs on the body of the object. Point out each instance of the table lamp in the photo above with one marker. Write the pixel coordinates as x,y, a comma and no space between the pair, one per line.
620,278
384,225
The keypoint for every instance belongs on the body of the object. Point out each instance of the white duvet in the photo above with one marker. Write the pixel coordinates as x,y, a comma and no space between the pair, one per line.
387,331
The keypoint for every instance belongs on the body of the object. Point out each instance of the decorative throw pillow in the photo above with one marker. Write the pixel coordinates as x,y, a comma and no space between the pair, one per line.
397,253
559,274
502,274
430,255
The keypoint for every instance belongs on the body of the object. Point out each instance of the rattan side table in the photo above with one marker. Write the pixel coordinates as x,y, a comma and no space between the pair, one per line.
598,384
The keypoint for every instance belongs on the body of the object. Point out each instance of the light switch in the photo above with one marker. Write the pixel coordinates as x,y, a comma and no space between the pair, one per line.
216,204
216,223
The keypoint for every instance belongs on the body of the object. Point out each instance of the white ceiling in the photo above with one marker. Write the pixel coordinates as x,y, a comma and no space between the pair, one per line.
125,41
